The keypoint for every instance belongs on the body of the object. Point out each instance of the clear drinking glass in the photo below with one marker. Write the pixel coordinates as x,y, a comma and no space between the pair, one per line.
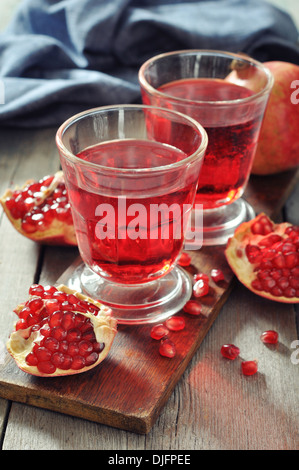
227,93
131,173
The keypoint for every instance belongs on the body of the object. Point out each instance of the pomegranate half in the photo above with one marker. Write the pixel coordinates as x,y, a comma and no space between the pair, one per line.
40,210
60,332
265,258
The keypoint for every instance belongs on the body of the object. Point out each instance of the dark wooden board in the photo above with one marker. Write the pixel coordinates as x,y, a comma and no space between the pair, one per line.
129,389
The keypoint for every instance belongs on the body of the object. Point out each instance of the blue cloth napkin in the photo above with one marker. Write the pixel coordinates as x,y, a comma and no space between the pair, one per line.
59,57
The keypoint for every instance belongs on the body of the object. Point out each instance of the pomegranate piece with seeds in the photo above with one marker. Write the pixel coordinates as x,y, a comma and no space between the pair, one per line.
265,258
41,211
72,337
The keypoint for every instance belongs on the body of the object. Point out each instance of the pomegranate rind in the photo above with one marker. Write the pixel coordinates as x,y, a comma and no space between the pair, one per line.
237,259
20,342
57,233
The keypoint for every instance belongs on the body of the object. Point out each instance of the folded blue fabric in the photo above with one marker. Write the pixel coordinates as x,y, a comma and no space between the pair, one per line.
59,57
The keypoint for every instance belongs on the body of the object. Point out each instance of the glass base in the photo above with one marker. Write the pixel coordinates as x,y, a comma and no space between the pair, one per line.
136,304
218,225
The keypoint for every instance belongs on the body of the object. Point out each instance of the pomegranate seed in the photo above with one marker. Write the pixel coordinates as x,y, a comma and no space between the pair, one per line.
35,304
159,331
202,276
269,337
43,354
55,318
31,359
52,305
58,359
230,351
91,358
257,285
73,349
74,334
167,348
51,343
63,346
200,288
249,367
46,367
36,289
67,362
59,333
50,290
78,362
253,253
85,348
291,259
192,307
176,323
217,275
21,324
25,312
68,321
184,260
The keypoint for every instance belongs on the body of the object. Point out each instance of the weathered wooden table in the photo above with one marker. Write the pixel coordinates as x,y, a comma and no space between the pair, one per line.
213,406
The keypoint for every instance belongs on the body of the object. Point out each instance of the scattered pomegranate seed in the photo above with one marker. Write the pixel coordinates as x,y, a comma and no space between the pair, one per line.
175,323
159,331
217,275
192,307
202,276
184,259
200,288
230,351
167,348
269,337
249,367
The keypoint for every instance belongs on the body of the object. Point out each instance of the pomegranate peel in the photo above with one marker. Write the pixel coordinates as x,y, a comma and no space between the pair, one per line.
265,258
75,337
40,210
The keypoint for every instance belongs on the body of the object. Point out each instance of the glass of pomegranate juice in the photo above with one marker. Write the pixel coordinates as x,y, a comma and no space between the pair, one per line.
227,93
131,173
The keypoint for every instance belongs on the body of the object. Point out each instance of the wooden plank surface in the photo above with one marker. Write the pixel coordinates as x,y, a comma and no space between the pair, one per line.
131,414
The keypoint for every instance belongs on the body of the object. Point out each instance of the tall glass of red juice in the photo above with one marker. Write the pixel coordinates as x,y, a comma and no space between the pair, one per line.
227,93
131,173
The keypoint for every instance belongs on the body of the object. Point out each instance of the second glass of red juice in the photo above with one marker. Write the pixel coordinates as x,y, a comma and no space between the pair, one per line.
227,93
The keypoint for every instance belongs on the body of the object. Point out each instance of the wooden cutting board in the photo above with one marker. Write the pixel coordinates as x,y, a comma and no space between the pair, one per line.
129,389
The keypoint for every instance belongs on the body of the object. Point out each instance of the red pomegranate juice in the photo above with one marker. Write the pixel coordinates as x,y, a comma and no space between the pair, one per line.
112,241
232,143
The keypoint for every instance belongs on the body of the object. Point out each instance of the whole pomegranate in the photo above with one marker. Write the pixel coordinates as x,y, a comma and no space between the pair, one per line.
41,211
278,146
265,258
60,332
